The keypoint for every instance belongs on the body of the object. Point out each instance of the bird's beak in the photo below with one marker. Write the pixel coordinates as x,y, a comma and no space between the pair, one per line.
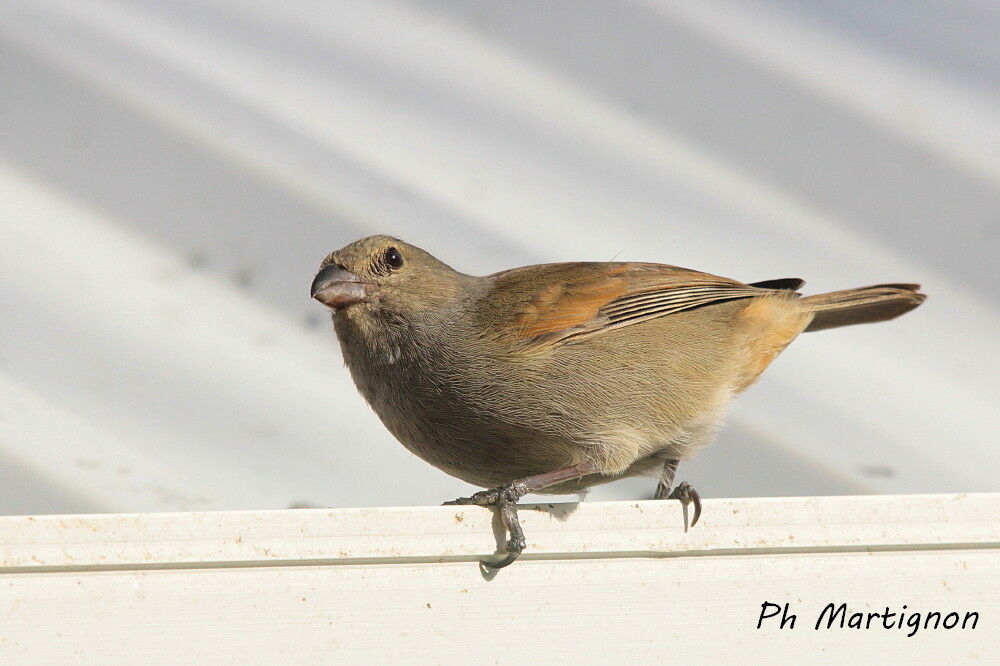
336,288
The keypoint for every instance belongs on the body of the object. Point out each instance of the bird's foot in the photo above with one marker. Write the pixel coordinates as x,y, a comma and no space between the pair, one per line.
510,492
504,498
685,494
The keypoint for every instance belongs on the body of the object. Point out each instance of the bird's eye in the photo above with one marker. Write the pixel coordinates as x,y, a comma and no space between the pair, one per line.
392,258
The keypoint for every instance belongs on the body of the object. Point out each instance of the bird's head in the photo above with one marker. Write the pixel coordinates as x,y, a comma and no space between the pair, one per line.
382,276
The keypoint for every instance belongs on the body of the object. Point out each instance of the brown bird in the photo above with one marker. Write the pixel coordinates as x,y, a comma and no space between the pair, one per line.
557,377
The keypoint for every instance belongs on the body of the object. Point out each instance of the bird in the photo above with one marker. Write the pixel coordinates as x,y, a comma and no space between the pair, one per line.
553,378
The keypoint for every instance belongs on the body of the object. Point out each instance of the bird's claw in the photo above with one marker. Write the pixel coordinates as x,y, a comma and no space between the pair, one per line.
686,494
512,549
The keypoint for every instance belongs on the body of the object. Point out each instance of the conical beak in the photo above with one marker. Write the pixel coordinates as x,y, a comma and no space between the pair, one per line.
336,288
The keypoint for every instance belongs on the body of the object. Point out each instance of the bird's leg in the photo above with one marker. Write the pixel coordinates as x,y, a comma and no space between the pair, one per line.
505,498
683,492
666,479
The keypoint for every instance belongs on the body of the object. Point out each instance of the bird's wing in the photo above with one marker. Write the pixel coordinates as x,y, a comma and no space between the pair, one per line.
553,304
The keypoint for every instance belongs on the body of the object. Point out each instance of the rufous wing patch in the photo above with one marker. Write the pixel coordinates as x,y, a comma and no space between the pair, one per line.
566,308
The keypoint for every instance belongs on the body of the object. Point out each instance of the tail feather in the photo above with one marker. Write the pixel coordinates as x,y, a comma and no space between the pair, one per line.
863,305
786,284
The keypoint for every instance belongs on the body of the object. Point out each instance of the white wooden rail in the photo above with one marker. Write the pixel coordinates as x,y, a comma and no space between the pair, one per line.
600,583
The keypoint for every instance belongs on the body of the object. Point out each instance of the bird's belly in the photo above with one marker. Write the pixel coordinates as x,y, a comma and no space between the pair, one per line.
653,389
476,447
520,429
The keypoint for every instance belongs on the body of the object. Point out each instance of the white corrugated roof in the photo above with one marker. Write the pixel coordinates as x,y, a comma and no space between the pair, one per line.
171,174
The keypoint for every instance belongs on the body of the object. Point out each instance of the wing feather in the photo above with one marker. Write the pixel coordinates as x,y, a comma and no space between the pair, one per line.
552,304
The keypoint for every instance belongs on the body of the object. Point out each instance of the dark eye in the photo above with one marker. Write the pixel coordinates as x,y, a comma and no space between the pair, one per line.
392,258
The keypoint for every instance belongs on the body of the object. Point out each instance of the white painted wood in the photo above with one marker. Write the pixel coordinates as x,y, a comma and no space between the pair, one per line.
600,583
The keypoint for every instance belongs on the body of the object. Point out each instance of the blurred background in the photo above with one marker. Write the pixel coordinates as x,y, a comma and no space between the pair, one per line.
172,173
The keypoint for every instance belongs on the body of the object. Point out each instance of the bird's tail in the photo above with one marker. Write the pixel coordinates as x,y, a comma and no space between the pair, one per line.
863,305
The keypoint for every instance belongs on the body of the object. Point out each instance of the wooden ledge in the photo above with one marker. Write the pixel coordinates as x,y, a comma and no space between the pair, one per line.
600,583
436,534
